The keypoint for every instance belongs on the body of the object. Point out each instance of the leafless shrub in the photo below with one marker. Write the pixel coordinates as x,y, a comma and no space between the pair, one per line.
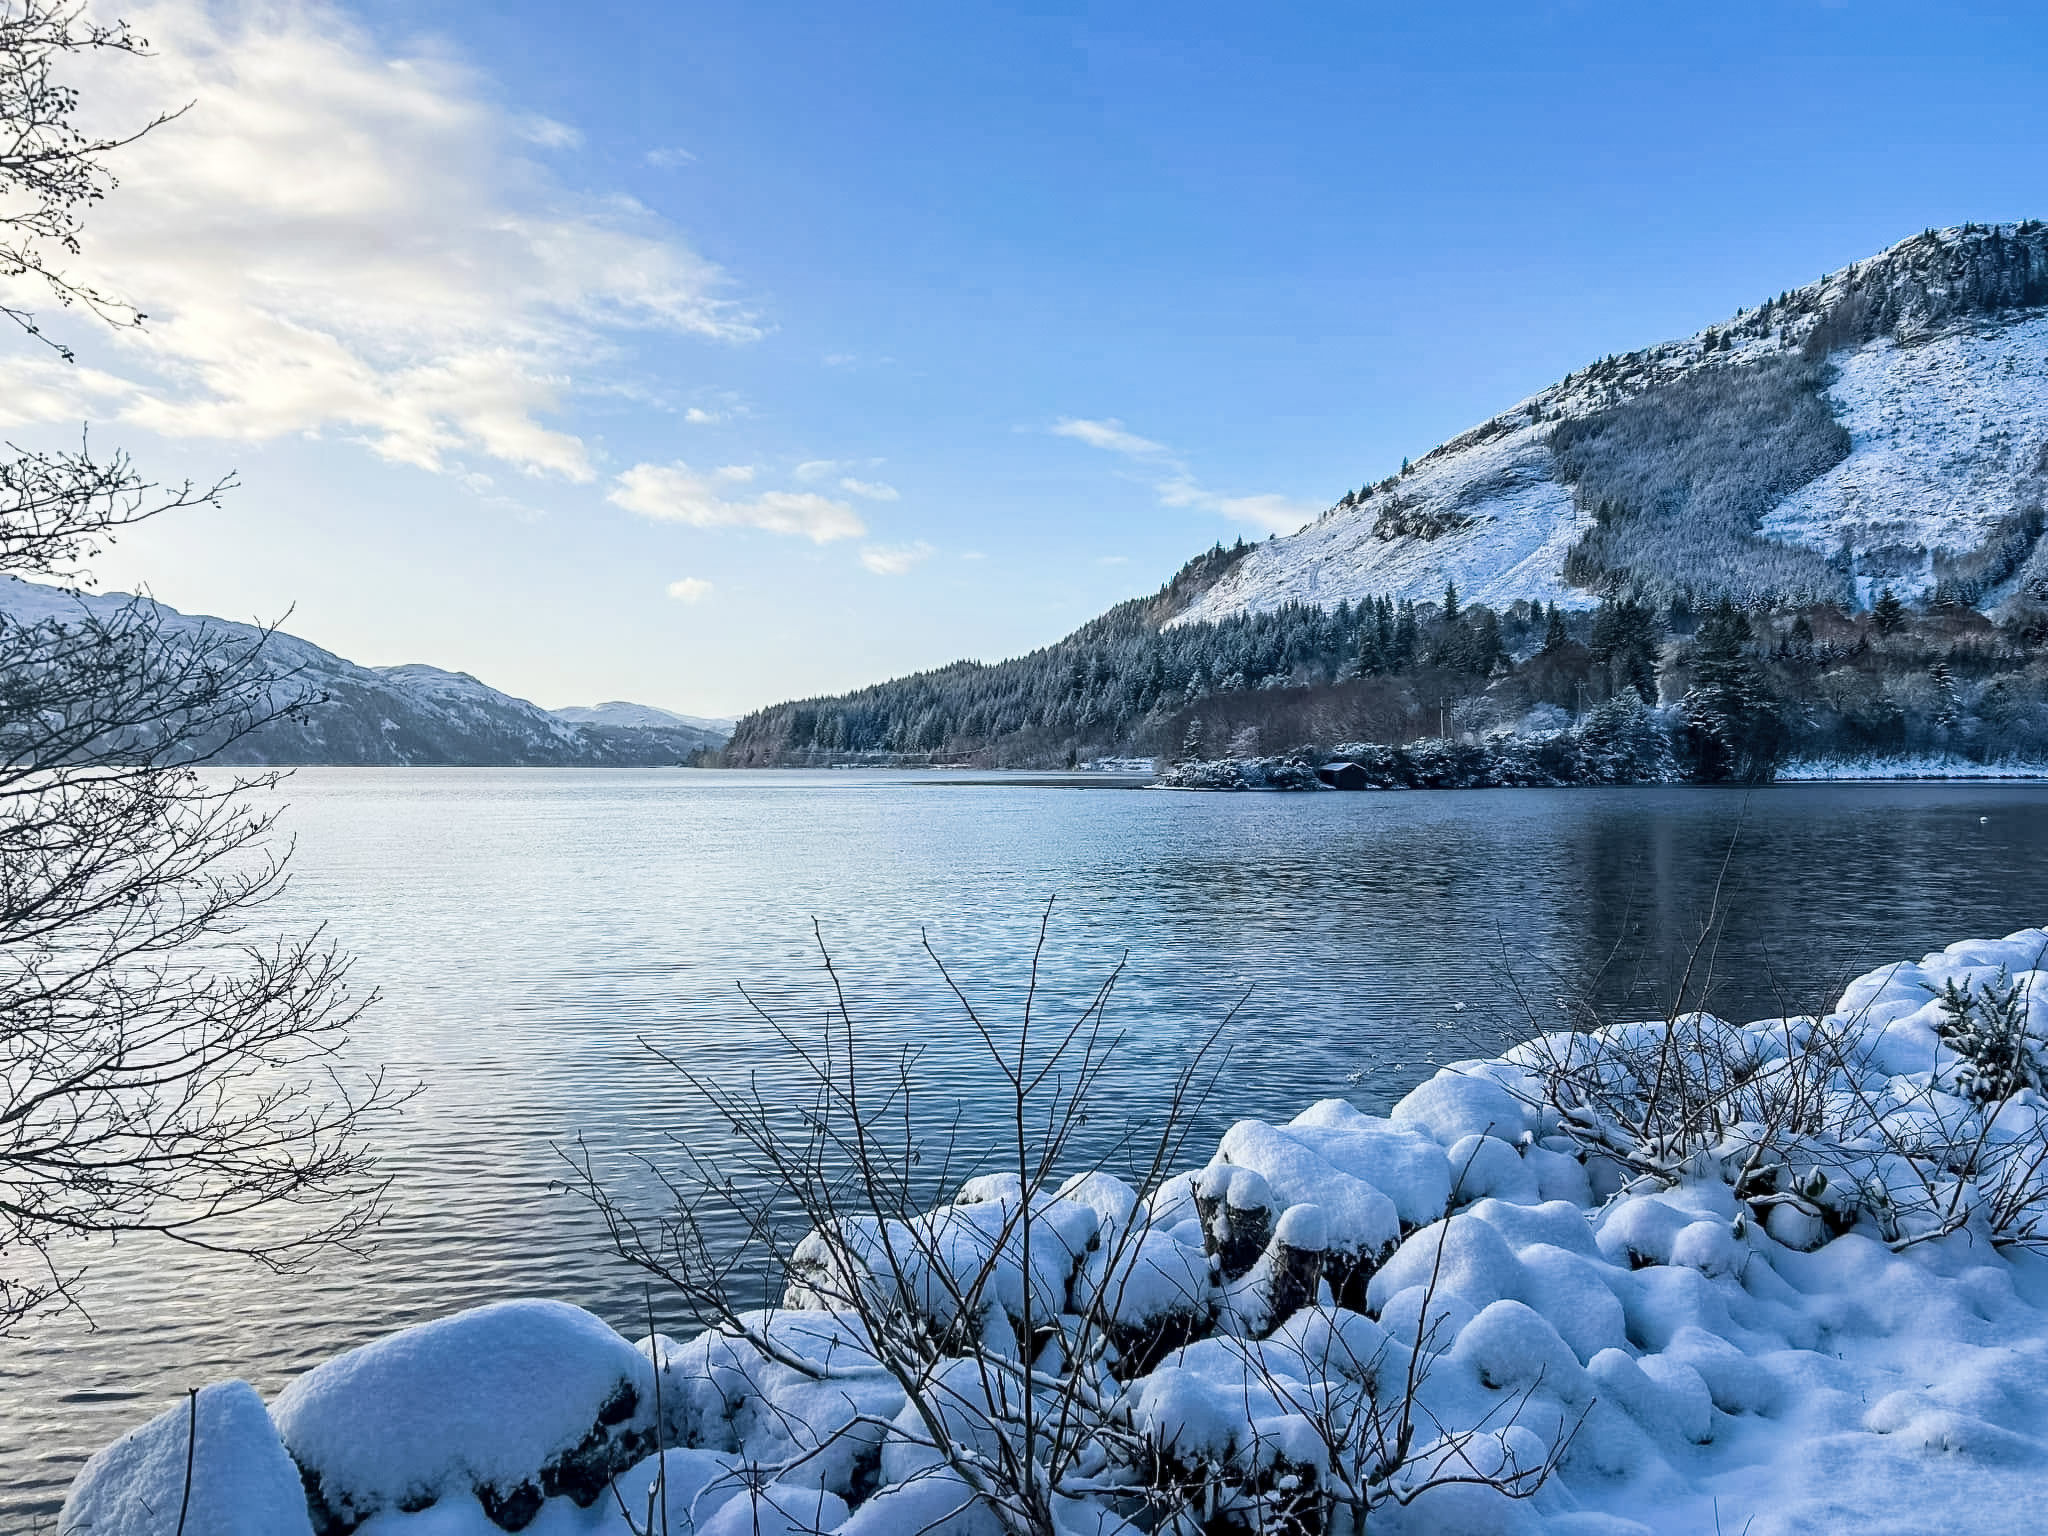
1011,1319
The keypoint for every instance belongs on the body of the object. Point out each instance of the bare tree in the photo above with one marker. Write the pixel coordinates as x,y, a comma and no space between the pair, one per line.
51,170
165,1066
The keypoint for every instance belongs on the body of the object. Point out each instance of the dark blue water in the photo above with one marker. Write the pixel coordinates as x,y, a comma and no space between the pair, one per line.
529,930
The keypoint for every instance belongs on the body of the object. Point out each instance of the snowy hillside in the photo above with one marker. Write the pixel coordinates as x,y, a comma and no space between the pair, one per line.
1934,358
388,716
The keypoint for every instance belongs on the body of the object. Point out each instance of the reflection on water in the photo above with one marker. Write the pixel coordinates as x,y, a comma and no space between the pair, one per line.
530,929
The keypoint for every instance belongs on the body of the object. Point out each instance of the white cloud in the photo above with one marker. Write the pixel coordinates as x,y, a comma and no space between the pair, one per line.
1112,559
336,240
868,490
817,469
549,134
691,589
1179,488
1109,434
895,559
974,554
668,158
1275,514
697,416
675,493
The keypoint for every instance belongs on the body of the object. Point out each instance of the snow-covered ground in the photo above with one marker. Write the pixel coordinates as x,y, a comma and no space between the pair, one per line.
1947,437
1807,770
1808,1304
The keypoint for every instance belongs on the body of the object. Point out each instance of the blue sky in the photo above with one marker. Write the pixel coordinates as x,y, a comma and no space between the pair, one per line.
712,354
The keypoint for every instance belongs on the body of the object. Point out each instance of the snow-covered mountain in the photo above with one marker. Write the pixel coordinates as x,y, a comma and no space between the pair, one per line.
1885,426
404,715
642,717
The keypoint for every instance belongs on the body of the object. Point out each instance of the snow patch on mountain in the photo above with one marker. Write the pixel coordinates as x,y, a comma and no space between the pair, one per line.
1948,437
1500,529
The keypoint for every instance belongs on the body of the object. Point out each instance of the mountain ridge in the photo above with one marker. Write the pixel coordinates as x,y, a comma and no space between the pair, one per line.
1880,435
1495,511
409,715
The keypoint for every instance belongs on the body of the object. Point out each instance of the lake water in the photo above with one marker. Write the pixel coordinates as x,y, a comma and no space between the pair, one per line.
531,931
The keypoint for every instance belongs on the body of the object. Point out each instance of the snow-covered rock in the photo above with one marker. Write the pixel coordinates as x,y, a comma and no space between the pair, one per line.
513,1403
242,1482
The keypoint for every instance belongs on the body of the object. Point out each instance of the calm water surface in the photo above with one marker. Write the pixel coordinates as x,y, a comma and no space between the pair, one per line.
532,930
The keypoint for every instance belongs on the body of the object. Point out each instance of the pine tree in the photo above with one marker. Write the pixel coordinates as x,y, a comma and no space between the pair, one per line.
1947,708
1555,635
1485,649
1372,653
1734,727
1887,613
1625,640
1403,652
1450,603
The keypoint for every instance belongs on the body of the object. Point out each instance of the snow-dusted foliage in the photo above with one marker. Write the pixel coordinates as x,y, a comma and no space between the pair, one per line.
1679,1276
1619,742
1239,773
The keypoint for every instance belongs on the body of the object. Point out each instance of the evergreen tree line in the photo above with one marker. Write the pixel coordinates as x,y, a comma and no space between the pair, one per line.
1735,690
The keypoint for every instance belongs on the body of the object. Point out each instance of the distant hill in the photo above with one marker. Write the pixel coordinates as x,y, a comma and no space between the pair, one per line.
412,715
642,717
1882,429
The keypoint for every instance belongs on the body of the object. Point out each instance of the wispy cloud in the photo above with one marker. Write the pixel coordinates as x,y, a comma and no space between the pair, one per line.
1109,434
549,134
895,559
676,493
1177,485
868,490
690,589
307,241
669,157
697,416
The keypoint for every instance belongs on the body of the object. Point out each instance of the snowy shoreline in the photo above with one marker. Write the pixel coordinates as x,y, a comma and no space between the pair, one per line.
1444,765
1827,1310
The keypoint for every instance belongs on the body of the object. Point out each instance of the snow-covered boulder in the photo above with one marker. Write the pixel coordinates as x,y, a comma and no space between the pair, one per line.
1457,1103
514,1403
242,1481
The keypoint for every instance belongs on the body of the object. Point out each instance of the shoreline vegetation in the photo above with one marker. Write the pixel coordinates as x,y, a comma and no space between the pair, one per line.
1769,1277
1735,692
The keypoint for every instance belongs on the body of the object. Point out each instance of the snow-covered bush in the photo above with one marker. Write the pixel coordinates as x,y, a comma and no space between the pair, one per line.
1915,1107
1240,773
